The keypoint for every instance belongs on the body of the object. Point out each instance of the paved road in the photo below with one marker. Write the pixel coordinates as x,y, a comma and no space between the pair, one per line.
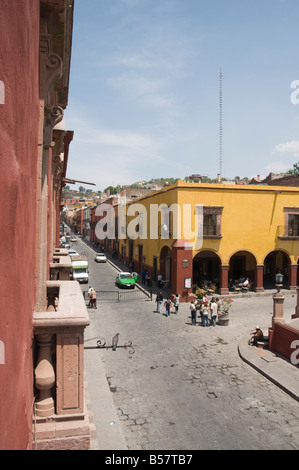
186,387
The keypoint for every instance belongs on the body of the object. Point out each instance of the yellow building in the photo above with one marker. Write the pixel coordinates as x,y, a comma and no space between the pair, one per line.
215,232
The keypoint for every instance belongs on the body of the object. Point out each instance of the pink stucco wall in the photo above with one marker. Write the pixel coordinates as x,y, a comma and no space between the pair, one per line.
19,26
281,338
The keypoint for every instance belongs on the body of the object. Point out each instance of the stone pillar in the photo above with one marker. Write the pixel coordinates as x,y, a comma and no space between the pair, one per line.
44,376
182,269
70,377
224,289
68,425
278,300
259,278
292,270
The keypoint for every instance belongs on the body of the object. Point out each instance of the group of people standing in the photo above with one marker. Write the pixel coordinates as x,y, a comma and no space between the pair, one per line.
168,303
208,311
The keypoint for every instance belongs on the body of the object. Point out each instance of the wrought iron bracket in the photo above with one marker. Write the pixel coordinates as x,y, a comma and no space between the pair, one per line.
101,344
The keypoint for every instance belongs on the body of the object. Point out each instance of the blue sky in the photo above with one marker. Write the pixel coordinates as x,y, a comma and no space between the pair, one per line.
144,89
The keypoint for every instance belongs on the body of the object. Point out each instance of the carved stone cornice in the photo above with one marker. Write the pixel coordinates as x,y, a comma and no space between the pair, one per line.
52,75
52,117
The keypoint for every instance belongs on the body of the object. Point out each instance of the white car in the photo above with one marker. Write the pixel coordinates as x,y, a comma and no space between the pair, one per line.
100,258
65,245
73,239
73,253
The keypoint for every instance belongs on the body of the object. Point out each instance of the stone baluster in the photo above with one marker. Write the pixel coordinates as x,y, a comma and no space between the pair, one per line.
44,376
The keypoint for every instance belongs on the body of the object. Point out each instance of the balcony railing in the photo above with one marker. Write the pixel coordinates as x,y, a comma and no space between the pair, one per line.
287,233
61,265
60,414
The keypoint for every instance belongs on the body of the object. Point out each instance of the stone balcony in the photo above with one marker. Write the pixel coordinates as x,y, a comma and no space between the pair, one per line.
60,419
61,265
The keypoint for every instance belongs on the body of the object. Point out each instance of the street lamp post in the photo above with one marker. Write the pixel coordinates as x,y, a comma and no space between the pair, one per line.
279,281
278,300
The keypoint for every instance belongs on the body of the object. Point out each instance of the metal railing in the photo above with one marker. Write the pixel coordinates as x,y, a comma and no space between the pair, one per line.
287,232
118,296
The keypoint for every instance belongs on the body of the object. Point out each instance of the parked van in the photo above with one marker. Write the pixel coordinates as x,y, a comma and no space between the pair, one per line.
80,269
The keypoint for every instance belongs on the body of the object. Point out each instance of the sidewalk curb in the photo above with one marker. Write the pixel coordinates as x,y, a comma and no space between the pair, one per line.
272,366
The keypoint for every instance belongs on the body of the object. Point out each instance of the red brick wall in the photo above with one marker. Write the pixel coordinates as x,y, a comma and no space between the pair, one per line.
19,26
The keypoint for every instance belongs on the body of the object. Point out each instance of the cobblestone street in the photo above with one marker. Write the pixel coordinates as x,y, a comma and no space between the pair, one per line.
186,387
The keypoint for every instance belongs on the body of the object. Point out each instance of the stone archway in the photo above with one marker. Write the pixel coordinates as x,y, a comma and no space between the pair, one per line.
206,265
276,261
242,264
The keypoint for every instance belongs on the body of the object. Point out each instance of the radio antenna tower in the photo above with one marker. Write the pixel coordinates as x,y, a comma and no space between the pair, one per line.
220,127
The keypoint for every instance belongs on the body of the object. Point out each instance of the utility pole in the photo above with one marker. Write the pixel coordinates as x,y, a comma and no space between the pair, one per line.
220,127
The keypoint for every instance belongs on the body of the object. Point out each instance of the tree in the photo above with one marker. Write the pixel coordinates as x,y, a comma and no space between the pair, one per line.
294,170
113,190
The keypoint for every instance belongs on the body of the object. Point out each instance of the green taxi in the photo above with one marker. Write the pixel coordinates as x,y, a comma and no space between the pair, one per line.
127,280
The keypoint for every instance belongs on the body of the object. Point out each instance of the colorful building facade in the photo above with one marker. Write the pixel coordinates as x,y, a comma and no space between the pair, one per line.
214,232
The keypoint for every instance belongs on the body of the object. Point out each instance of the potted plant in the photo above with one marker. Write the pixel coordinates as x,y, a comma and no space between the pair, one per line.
199,293
223,316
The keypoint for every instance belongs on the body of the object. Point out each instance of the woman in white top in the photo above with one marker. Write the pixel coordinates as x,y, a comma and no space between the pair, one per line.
205,314
213,309
193,312
176,303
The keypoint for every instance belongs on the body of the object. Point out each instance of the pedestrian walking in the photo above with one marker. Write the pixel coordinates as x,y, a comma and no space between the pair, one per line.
148,279
93,299
88,293
167,306
176,303
214,311
205,314
159,301
193,312
143,275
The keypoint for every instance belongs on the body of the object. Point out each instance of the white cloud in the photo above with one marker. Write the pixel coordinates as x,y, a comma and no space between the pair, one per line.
278,167
288,147
137,85
118,156
146,71
120,138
